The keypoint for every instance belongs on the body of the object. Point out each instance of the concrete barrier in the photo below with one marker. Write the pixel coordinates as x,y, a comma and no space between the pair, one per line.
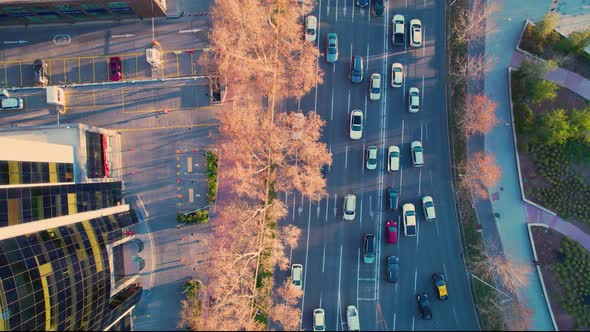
539,271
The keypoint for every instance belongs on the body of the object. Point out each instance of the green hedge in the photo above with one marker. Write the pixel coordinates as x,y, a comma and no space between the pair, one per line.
197,217
212,169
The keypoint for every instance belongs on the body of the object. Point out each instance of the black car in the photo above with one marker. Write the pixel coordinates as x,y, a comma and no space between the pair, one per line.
392,198
378,7
40,72
392,268
424,305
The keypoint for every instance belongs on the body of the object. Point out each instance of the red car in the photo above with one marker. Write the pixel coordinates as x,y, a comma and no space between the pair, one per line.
391,231
115,68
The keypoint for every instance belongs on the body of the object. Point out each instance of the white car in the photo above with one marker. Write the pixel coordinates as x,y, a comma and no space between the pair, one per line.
311,26
11,103
375,87
372,157
415,33
393,154
319,319
417,153
397,75
413,100
409,213
356,124
428,205
297,275
349,207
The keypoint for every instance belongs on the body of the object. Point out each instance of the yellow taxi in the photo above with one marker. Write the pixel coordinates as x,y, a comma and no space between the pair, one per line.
440,284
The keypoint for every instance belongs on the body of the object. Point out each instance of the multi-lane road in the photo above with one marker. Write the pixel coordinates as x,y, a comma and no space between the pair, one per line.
331,249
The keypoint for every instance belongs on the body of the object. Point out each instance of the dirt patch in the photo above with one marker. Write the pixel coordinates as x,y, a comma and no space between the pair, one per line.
565,99
547,243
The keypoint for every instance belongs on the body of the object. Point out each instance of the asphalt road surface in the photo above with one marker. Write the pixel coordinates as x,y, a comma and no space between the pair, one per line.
331,249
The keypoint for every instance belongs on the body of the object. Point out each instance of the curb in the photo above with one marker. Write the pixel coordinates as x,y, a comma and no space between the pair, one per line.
539,271
520,181
526,23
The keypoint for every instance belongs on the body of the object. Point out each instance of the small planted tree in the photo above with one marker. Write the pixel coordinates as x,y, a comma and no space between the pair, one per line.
544,28
479,116
555,127
481,172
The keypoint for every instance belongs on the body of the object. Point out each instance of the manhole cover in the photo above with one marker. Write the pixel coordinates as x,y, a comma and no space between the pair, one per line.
62,39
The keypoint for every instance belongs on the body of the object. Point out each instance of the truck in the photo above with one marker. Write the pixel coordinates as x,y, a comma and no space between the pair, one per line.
399,24
409,214
352,318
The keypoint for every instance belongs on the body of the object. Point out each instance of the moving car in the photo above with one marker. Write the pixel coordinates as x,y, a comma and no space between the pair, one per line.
332,49
440,284
415,33
11,103
392,197
391,232
379,7
393,154
40,72
369,248
115,68
399,25
397,75
362,3
424,305
417,153
349,207
297,275
409,215
428,206
319,319
356,124
372,157
375,87
352,318
392,268
311,25
413,100
357,69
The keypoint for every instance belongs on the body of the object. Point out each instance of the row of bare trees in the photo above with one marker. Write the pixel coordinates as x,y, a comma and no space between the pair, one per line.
258,46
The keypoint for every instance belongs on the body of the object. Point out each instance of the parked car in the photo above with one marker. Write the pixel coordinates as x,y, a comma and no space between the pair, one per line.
40,72
391,232
391,269
397,75
311,26
424,305
440,284
332,49
375,87
357,69
428,206
415,33
417,153
413,100
115,68
356,124
372,157
349,207
297,275
393,154
11,103
319,319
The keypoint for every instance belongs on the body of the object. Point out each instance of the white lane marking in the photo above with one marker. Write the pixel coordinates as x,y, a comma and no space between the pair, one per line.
361,215
394,318
298,105
421,129
318,209
426,130
399,233
349,102
327,203
371,214
413,321
415,279
339,277
437,232
368,279
346,156
368,57
445,269
335,205
420,182
352,10
423,41
350,53
294,206
401,169
366,99
330,165
363,158
406,3
328,8
321,295
334,67
422,101
358,269
417,232
300,208
305,272
345,7
323,260
290,255
286,200
404,87
332,106
336,11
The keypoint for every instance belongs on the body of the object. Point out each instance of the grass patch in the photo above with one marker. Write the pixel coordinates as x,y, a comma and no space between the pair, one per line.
212,169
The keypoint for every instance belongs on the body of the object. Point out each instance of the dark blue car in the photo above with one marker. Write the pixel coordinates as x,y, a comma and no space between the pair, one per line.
362,3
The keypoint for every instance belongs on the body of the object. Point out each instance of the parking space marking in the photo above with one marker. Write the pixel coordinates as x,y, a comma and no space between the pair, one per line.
168,127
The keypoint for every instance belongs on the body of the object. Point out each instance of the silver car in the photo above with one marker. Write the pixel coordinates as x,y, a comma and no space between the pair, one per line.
332,48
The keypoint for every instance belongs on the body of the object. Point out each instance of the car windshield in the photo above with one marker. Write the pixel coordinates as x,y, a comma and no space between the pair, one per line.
372,161
356,120
418,149
310,31
429,204
394,154
375,90
397,22
410,213
397,70
392,229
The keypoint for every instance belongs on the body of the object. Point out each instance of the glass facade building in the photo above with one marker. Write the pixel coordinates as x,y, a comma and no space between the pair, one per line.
16,12
59,279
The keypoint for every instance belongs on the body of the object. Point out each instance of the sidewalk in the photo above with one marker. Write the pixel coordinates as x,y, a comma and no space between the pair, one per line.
506,198
559,76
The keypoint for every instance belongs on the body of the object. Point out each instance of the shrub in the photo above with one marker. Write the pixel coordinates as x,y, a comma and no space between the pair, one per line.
197,217
212,169
543,91
524,118
545,27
